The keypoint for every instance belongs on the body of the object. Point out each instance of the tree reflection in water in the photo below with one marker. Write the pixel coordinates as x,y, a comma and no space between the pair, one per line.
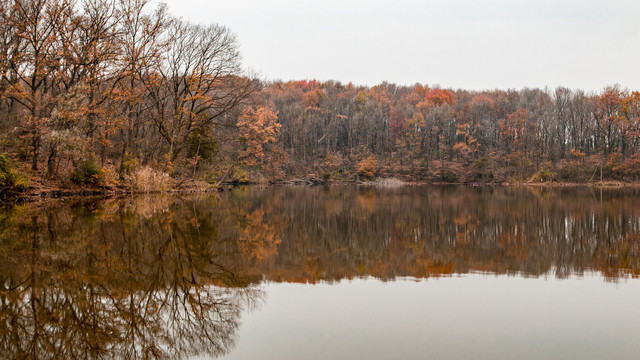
423,231
116,279
166,277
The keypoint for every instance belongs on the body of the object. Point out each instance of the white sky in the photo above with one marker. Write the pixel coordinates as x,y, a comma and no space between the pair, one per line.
470,44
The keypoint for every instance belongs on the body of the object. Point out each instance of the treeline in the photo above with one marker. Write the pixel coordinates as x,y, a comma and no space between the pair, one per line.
419,132
121,93
101,91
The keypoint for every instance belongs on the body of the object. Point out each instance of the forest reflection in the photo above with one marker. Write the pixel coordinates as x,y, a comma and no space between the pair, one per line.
143,278
169,276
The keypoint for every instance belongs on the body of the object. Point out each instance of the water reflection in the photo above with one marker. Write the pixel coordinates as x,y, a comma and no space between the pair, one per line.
117,279
167,277
336,233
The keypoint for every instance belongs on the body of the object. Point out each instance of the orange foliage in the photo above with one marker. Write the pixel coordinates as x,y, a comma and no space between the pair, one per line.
440,97
258,239
381,95
418,94
367,167
306,85
258,127
578,155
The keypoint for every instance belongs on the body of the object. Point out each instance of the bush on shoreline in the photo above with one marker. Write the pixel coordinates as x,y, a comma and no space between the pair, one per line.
10,181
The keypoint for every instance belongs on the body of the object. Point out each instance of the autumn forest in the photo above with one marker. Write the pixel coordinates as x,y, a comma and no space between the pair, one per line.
120,94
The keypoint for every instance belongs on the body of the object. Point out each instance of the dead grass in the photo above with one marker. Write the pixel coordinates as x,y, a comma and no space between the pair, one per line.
149,180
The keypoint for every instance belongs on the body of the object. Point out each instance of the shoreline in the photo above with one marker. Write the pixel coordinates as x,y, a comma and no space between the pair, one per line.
55,193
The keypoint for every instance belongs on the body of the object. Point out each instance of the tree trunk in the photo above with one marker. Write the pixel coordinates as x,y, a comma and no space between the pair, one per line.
35,144
51,162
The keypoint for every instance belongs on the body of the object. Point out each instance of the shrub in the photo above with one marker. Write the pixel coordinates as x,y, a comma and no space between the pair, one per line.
479,176
129,164
544,174
148,180
449,176
9,180
419,169
630,167
480,172
240,176
87,172
367,168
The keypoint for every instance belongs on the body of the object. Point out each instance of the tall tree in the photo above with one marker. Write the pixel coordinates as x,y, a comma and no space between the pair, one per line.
34,64
202,87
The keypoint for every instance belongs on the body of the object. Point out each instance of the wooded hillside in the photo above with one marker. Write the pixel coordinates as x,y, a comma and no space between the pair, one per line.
118,93
435,134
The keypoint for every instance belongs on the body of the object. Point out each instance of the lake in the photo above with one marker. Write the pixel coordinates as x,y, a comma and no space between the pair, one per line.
338,272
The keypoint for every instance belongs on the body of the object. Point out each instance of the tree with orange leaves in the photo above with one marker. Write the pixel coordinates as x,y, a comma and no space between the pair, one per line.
258,128
439,97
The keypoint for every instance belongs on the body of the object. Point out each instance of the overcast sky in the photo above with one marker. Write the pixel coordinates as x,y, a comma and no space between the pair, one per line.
470,44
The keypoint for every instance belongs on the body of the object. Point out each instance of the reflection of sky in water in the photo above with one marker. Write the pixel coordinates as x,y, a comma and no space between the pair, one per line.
467,317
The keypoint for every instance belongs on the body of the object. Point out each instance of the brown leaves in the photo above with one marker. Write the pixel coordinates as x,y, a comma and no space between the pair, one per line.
258,127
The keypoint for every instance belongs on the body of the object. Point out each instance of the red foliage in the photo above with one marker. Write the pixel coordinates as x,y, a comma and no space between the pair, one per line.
440,97
307,85
398,124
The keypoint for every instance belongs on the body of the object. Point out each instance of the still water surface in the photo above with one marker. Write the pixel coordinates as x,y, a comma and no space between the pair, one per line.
336,272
